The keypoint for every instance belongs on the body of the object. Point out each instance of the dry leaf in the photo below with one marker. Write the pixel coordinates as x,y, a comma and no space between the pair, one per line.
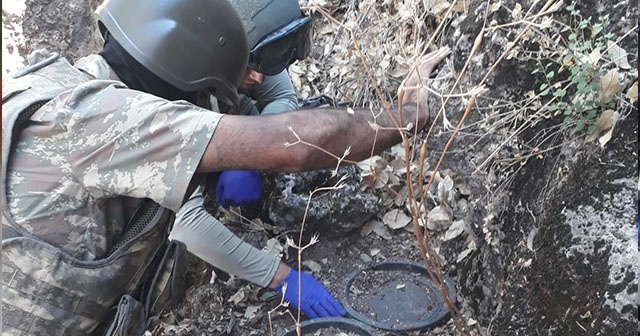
607,136
461,6
594,56
472,247
398,164
632,93
238,297
456,229
251,312
619,55
496,6
609,86
602,123
381,230
516,13
375,180
396,219
366,229
440,6
463,255
313,266
371,163
439,218
445,191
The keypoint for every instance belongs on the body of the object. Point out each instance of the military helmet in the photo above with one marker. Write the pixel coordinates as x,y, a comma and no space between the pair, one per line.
277,32
191,44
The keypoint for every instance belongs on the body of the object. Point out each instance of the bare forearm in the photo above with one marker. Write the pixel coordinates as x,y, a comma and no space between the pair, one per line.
336,131
272,143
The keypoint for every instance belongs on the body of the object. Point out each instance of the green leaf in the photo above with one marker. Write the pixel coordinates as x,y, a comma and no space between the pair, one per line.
550,74
543,86
559,93
592,129
581,87
572,37
578,107
575,70
571,7
596,29
591,114
567,119
545,92
535,71
567,112
584,23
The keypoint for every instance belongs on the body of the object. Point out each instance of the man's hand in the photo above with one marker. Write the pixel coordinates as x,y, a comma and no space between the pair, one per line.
238,187
413,92
315,300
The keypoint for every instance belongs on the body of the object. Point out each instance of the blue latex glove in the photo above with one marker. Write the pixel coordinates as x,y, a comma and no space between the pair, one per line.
315,300
238,187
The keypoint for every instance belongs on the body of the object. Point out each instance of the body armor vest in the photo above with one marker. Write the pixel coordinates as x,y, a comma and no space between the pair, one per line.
46,291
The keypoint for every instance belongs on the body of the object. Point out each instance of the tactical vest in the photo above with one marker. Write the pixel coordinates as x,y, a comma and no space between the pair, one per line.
46,291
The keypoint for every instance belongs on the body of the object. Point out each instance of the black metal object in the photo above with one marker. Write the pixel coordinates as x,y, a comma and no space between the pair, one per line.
409,302
317,101
344,324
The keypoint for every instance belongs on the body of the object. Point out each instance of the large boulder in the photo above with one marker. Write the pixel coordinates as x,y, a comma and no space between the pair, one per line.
557,253
327,210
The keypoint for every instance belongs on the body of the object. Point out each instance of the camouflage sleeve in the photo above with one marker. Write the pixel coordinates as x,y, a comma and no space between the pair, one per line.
275,94
129,143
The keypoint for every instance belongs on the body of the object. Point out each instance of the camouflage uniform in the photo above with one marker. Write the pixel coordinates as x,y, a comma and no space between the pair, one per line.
274,95
90,146
74,168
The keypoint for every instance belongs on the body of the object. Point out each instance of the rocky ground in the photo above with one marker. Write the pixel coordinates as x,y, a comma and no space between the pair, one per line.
533,214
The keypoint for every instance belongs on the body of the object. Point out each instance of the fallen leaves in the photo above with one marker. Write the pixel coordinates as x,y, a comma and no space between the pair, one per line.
619,55
376,227
439,218
632,92
455,230
396,219
313,266
609,86
606,121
